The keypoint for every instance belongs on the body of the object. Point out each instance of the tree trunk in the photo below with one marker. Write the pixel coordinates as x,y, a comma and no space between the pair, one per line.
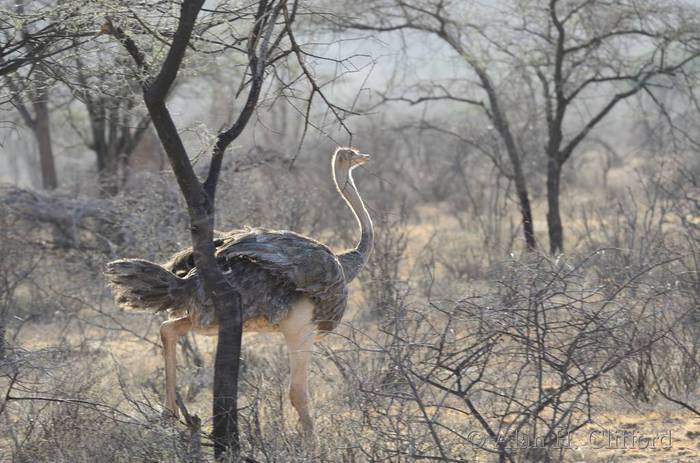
525,210
3,324
226,368
501,122
108,172
556,232
227,303
107,167
42,133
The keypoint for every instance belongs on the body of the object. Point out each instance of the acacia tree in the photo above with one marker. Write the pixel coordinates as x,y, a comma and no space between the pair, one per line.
583,58
32,103
116,123
34,39
264,40
30,98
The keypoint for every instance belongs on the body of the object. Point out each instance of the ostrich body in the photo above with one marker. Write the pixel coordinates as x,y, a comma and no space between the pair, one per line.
288,283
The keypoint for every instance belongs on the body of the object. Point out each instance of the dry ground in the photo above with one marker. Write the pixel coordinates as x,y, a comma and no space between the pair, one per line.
114,362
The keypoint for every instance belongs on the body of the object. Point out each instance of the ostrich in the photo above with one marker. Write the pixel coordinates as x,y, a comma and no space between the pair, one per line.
288,283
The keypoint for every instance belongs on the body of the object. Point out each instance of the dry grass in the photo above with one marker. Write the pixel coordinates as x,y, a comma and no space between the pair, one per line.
74,344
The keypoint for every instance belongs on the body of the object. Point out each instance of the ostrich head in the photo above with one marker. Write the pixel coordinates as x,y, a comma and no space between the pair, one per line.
347,158
344,161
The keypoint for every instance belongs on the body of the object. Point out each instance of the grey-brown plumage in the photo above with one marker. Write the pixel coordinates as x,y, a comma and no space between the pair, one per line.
270,269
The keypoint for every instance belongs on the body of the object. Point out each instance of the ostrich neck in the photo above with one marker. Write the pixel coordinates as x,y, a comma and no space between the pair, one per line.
348,190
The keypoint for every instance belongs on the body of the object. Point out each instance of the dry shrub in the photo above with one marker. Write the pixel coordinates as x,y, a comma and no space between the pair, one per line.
521,354
508,374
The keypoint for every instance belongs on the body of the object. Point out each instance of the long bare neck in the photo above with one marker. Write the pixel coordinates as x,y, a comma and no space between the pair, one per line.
354,260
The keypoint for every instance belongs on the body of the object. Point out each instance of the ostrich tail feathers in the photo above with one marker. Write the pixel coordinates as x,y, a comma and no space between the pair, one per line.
142,285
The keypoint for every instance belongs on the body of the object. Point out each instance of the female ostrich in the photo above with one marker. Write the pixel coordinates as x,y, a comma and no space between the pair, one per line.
287,282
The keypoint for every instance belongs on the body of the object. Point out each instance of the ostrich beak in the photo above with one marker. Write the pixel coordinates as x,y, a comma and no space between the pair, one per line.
363,157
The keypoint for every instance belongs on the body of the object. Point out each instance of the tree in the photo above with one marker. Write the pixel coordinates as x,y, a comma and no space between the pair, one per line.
35,38
584,58
267,42
33,106
35,44
116,125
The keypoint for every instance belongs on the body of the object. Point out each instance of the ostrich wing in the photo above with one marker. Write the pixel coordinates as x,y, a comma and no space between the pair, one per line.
309,265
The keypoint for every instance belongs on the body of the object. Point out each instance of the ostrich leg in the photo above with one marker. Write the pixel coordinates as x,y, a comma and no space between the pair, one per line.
170,332
299,332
